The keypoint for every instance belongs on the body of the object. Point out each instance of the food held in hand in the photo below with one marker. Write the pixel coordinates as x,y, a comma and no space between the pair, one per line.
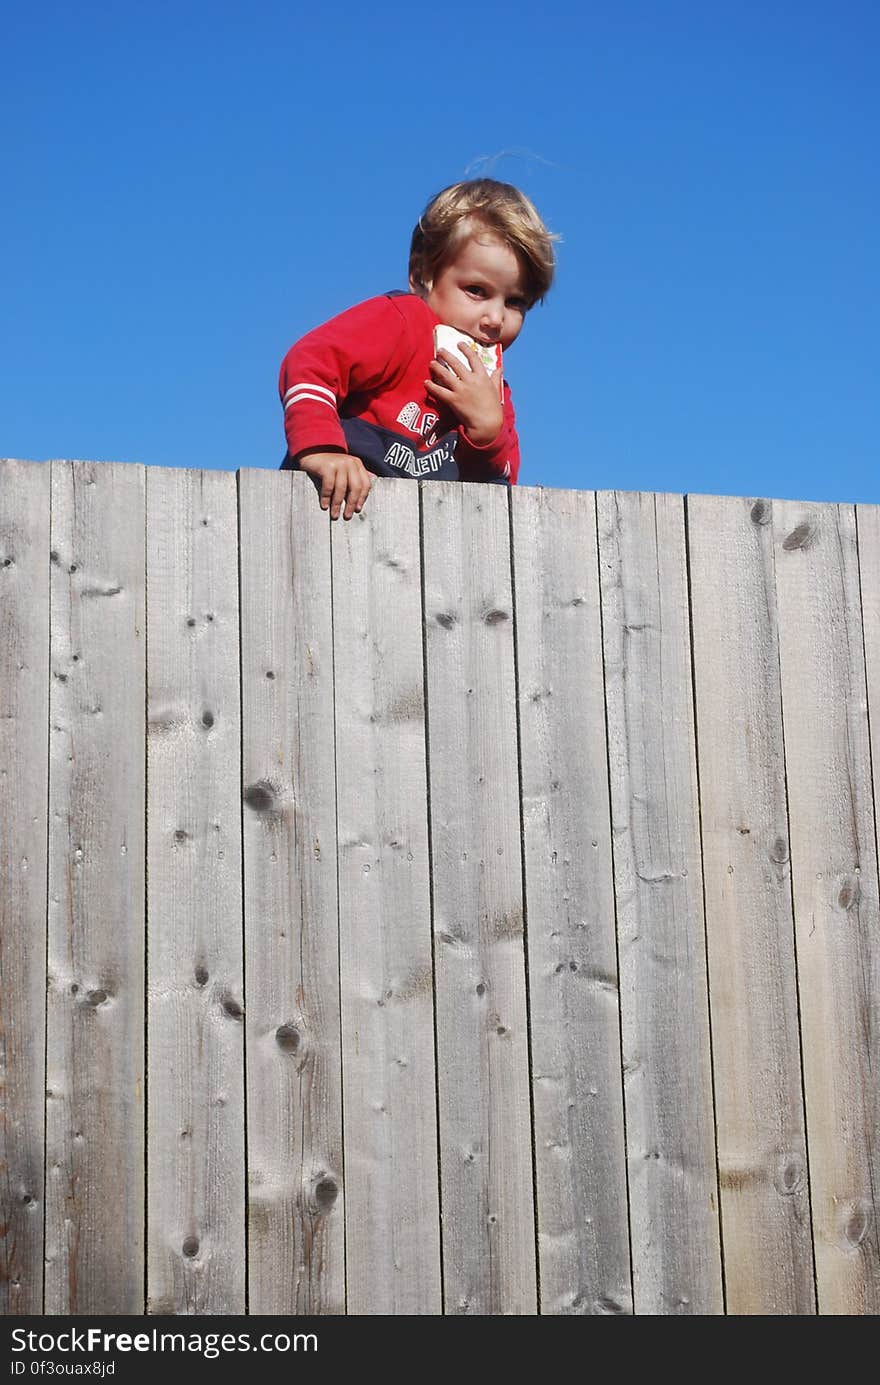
449,337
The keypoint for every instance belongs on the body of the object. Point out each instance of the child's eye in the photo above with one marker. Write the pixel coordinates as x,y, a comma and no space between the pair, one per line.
518,304
476,289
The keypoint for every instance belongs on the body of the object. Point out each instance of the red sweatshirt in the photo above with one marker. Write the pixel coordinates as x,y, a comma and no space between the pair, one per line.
357,384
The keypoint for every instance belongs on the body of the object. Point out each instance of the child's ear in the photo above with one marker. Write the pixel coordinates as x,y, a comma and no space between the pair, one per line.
420,290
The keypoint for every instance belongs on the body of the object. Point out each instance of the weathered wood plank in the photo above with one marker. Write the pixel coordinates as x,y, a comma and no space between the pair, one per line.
765,1203
391,1173
583,1231
296,1243
868,531
195,1119
657,868
834,870
482,1041
95,1019
24,788
868,534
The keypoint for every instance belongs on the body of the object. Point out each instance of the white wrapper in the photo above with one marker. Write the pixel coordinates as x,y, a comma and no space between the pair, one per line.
449,337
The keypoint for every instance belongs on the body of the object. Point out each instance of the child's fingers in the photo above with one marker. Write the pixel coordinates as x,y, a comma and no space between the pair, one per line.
442,380
439,391
358,489
342,480
445,378
449,362
478,368
340,485
327,479
473,356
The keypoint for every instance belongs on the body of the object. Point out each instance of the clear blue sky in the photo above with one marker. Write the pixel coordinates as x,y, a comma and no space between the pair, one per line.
189,187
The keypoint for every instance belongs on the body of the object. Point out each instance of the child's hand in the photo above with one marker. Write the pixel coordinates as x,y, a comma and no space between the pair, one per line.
474,396
342,478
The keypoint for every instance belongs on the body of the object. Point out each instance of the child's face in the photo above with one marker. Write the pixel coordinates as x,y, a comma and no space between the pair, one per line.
481,291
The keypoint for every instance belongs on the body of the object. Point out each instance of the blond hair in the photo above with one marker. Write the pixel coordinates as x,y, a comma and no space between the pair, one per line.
458,211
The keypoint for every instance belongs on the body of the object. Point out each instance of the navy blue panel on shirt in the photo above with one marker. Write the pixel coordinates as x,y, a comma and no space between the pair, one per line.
387,453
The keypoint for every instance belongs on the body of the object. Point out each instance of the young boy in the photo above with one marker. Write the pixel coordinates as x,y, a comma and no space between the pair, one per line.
365,393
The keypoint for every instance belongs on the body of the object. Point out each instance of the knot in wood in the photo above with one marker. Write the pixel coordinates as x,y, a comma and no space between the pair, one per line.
260,796
857,1223
326,1193
761,512
799,537
287,1037
789,1175
191,1247
607,1304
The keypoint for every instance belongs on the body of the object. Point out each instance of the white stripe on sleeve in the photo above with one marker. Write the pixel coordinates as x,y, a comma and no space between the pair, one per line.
305,394
308,385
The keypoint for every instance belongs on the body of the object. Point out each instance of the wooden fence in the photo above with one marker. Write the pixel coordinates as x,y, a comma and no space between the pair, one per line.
471,908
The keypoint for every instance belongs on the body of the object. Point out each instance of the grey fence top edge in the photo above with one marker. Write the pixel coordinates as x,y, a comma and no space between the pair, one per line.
387,480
